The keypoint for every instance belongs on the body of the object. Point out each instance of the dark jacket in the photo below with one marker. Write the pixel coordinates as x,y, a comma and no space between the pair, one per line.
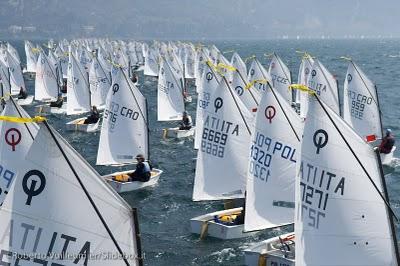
387,144
142,172
92,118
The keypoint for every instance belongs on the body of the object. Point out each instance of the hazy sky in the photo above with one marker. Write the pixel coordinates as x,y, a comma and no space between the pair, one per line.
205,19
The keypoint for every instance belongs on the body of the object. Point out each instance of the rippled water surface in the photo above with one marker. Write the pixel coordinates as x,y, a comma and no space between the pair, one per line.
165,210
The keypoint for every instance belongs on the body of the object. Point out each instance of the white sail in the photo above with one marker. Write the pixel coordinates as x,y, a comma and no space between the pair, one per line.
361,104
5,79
337,206
124,131
151,67
170,104
325,85
221,164
99,83
200,66
78,92
16,79
246,95
104,60
272,166
31,57
62,57
237,62
14,53
189,62
48,212
304,74
258,73
17,139
209,82
281,78
46,84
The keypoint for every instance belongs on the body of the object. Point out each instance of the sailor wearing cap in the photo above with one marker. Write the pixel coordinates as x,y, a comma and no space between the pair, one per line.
143,170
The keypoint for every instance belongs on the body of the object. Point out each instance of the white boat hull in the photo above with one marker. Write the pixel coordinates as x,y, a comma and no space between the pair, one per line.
267,252
121,187
178,133
77,125
218,230
387,158
27,101
47,109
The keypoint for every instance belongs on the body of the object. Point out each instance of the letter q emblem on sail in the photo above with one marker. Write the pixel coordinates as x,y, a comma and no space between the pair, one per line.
320,139
218,103
270,113
31,190
239,90
349,78
209,76
13,137
115,88
313,73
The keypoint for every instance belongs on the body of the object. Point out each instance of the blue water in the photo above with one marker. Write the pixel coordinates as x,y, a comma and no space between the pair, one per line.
165,210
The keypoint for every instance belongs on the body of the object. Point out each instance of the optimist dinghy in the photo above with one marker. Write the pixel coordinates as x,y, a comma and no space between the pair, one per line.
119,181
361,108
222,161
177,133
124,133
270,197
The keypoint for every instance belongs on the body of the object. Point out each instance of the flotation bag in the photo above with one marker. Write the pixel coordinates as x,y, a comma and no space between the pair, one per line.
121,178
227,219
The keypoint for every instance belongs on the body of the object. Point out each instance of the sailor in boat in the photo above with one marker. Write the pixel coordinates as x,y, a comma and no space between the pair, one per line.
134,77
143,170
22,94
387,142
57,103
93,117
186,122
64,86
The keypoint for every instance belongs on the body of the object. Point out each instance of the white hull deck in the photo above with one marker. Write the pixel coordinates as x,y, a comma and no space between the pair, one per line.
78,125
45,108
278,250
387,158
177,133
121,187
27,101
205,225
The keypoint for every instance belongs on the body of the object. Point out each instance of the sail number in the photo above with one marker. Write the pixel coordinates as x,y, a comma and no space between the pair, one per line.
263,150
358,103
111,114
316,186
213,142
205,100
